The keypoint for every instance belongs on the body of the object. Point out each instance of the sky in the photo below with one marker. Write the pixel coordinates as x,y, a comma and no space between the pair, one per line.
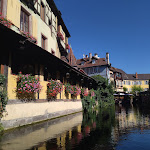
119,27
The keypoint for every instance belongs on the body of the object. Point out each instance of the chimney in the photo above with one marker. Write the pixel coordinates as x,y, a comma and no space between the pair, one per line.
107,58
96,55
136,75
90,56
86,56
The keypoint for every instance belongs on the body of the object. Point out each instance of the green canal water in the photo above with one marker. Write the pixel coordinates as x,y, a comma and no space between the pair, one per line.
115,127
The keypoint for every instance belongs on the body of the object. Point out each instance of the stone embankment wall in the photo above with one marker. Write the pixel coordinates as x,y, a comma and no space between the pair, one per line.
19,114
37,134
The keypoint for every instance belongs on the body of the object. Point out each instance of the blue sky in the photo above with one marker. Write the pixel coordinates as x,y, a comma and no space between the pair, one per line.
120,27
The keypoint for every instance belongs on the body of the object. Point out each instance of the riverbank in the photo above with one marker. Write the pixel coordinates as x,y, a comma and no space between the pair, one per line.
20,113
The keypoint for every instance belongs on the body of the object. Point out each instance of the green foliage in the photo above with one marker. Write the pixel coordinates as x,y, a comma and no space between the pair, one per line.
136,89
2,80
125,89
3,95
104,93
88,102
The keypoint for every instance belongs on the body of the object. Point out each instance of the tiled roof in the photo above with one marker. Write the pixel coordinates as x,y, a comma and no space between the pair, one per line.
124,75
72,58
131,76
140,77
88,63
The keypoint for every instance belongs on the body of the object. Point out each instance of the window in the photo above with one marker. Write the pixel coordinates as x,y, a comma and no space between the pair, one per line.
24,21
93,61
50,25
1,2
124,82
42,12
146,82
43,42
82,63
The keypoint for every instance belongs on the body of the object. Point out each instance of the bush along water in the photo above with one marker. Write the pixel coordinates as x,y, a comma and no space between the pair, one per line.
27,87
101,97
104,92
88,99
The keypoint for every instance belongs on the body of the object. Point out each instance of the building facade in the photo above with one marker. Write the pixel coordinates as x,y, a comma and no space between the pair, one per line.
136,79
38,40
116,77
93,65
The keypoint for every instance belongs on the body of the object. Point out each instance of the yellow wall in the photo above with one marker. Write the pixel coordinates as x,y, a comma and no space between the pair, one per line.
143,85
34,26
13,12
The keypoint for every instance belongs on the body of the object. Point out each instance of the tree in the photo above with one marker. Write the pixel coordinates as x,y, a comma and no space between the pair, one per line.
136,89
125,89
104,91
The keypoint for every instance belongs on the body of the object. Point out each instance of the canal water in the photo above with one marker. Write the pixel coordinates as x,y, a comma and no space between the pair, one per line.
115,127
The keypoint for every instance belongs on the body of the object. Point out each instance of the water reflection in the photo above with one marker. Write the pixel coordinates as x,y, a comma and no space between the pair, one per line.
102,129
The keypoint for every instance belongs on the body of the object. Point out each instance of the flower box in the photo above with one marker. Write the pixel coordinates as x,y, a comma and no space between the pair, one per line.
5,22
59,35
29,37
67,46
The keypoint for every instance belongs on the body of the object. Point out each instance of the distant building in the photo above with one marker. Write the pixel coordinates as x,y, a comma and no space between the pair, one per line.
122,79
136,79
117,76
94,65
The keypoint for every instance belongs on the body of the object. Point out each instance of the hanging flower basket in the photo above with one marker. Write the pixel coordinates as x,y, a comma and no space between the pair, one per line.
27,86
53,88
59,35
75,91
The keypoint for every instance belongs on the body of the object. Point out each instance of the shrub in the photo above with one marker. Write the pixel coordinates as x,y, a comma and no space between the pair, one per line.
27,86
53,88
3,95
